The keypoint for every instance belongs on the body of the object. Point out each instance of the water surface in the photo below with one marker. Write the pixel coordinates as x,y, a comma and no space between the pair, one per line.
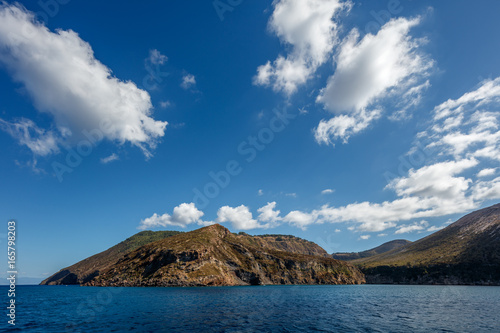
362,308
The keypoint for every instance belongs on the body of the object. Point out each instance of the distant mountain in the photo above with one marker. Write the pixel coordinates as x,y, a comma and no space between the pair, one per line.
465,252
213,256
394,244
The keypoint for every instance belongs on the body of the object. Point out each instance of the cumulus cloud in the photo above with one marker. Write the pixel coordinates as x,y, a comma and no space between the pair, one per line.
269,215
388,64
65,80
183,215
408,228
437,180
364,237
240,217
342,127
308,28
327,191
487,172
188,81
301,219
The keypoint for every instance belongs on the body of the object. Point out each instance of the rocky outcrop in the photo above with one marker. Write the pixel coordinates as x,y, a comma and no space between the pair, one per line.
213,256
89,269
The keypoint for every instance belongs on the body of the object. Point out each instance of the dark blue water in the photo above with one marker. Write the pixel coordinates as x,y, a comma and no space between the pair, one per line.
365,308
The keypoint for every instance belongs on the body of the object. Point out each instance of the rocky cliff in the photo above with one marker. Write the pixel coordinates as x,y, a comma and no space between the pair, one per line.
213,256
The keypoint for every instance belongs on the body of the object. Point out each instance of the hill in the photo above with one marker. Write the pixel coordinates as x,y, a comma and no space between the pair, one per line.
348,256
213,256
465,252
87,269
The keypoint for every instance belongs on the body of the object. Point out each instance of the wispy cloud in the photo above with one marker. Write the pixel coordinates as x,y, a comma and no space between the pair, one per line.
408,228
188,81
109,159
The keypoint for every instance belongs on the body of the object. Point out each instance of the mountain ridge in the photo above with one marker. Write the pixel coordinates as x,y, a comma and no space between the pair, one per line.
465,252
385,247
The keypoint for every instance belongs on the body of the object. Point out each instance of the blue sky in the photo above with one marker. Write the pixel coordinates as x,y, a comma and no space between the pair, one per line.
345,123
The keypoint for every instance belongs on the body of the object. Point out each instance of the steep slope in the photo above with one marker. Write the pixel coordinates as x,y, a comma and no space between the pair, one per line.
394,244
213,256
87,269
91,267
465,252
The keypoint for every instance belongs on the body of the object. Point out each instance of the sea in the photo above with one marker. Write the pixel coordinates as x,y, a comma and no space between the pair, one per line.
345,308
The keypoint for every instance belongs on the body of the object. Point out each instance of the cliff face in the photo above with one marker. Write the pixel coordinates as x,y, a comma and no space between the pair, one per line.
465,252
208,256
212,256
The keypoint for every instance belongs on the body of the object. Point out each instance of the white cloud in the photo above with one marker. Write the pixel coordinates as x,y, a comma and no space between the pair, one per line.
188,81
416,226
337,230
381,235
240,217
469,126
327,191
165,104
487,172
364,237
300,219
309,29
65,80
344,126
156,58
435,228
293,195
39,141
109,159
269,215
437,180
485,190
183,215
388,64
260,192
